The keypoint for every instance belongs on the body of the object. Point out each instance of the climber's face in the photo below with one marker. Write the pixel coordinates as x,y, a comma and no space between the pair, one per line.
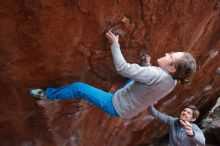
167,61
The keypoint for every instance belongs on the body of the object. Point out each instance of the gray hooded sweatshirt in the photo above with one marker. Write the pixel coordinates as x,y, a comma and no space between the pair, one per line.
150,84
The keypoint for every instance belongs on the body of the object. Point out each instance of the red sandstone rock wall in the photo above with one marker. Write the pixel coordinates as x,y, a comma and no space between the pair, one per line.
52,43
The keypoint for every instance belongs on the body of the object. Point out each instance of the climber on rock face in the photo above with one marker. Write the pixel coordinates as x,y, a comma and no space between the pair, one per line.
182,131
148,84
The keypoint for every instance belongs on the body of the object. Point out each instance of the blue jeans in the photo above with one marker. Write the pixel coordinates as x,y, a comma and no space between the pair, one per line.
99,98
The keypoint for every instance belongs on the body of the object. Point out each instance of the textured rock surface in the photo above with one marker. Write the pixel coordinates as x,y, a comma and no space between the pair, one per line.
211,125
52,43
